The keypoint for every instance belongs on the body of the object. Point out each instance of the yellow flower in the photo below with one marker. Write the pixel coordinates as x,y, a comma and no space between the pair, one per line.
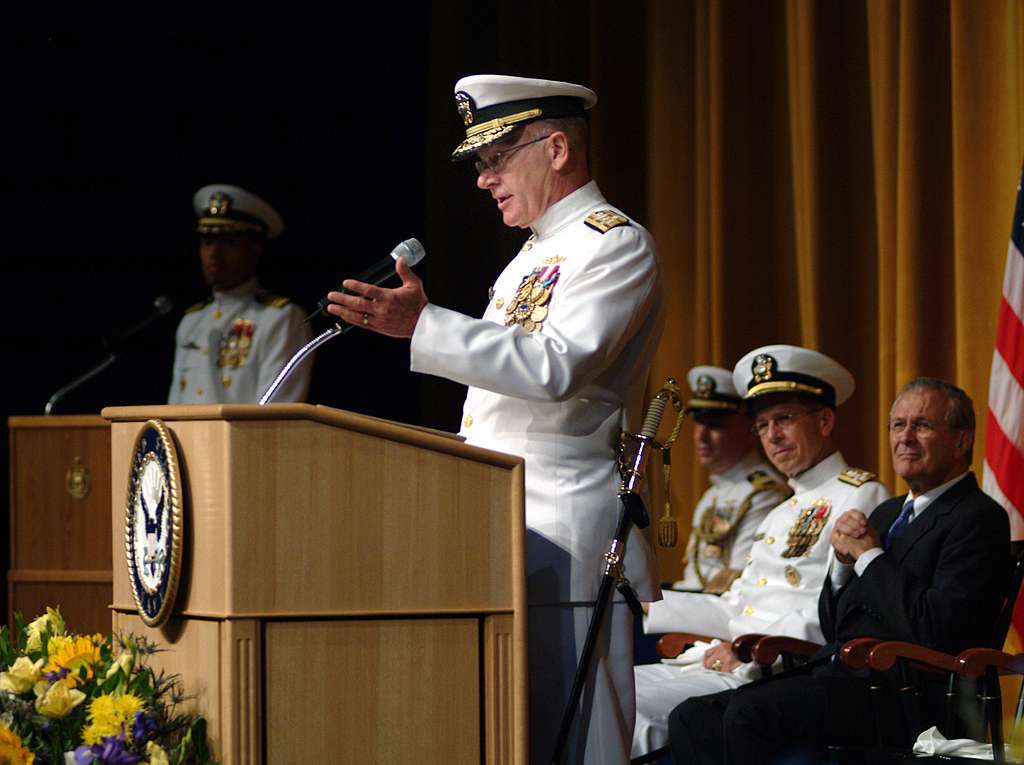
108,713
51,620
156,754
72,653
11,750
123,663
21,677
56,701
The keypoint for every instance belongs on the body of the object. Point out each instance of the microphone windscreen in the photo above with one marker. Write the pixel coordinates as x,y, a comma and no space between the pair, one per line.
163,305
411,250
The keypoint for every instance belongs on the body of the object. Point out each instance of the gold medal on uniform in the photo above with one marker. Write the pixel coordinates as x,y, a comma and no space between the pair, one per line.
529,308
807,529
236,344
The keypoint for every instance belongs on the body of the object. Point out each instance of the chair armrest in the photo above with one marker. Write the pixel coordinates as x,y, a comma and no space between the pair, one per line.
854,653
766,651
974,661
744,644
884,655
671,644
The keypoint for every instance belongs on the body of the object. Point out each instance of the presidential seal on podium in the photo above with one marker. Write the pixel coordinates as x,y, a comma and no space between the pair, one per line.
153,523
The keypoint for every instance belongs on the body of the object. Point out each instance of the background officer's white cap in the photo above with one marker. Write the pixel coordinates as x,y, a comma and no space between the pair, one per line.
713,390
793,370
224,209
493,105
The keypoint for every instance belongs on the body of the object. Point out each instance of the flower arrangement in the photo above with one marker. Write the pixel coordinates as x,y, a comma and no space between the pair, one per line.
70,699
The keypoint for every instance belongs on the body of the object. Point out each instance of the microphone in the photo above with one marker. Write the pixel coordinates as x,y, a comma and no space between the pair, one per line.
381,271
162,305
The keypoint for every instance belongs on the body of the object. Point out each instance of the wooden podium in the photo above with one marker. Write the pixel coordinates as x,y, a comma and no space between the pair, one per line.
60,519
353,590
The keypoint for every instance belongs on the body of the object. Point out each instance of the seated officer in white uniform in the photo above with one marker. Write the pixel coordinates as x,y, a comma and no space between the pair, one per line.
556,369
230,347
744,486
793,394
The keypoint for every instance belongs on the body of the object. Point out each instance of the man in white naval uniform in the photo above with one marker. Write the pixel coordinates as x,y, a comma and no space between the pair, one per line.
744,486
556,368
230,347
793,394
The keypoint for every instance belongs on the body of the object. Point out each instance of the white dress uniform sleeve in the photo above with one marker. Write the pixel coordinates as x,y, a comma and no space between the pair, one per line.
803,623
599,308
284,335
694,612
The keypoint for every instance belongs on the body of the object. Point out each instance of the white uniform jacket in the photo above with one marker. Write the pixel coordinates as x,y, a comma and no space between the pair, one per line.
229,348
719,507
777,593
559,395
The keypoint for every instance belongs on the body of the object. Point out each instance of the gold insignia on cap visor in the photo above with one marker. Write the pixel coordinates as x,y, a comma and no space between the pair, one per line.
705,386
764,367
219,204
464,103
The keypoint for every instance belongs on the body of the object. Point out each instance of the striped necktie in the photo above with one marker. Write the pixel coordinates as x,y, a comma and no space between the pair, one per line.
900,523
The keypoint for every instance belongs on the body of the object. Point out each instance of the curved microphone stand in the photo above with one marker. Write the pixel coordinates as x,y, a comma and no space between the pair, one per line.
298,358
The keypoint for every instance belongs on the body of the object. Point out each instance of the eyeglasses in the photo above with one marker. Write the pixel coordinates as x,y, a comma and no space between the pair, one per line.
496,161
781,421
918,425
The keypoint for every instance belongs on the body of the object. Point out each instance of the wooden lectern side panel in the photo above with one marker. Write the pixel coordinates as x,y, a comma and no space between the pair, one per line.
83,604
192,649
373,691
60,496
203,452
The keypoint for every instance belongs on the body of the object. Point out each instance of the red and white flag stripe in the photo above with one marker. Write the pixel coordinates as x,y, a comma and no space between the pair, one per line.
1004,439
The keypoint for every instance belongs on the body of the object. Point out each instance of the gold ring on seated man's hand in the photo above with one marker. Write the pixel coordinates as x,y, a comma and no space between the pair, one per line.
366,319
716,665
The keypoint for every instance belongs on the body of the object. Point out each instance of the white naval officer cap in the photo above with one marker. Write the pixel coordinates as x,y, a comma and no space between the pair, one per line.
224,209
493,105
713,390
794,370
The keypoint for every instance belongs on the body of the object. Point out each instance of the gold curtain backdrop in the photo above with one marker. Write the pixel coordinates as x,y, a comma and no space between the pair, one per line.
839,175
835,175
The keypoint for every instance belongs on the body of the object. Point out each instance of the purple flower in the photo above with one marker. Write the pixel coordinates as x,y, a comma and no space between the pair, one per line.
110,751
143,728
60,674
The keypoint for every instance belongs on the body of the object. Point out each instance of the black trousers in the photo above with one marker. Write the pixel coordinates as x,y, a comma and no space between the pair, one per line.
784,719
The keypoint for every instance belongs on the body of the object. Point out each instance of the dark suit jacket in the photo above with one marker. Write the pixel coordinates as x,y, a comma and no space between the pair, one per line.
942,583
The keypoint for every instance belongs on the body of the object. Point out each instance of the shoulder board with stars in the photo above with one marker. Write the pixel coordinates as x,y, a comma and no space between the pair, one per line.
856,476
274,301
199,306
605,220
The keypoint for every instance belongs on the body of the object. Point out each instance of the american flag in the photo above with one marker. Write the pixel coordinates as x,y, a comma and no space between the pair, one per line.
1004,436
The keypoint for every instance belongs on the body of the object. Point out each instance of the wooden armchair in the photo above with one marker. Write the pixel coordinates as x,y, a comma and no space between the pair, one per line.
973,701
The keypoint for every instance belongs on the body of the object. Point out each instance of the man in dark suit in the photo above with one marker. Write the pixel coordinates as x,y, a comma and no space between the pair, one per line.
929,567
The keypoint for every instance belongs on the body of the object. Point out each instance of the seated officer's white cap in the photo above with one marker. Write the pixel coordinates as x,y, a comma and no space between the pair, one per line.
223,209
493,105
794,370
713,390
